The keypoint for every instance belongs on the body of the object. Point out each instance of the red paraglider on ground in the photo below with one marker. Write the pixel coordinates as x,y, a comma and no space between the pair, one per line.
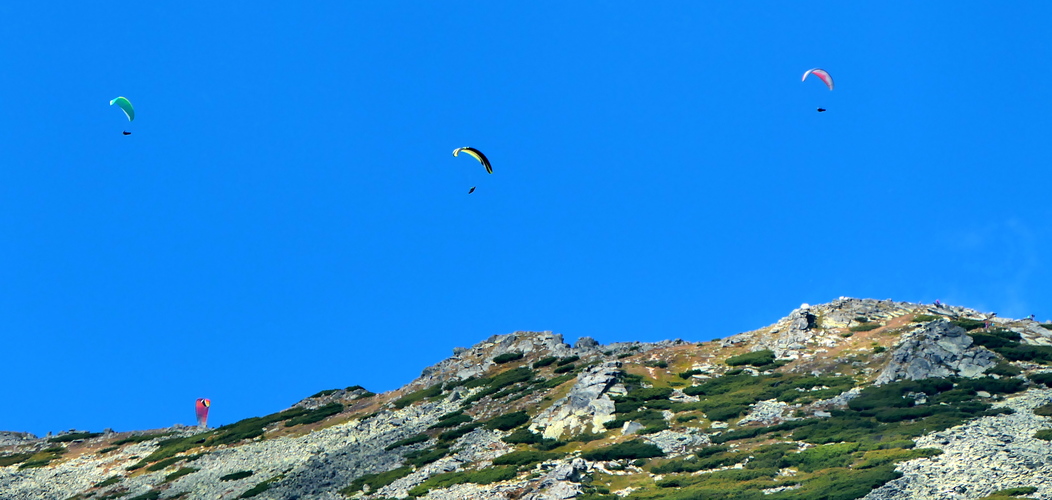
201,407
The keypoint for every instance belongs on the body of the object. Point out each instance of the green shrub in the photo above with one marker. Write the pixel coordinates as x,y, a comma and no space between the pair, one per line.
1044,411
508,422
315,415
163,464
74,436
756,358
1004,370
419,438
421,458
1045,434
455,434
564,368
451,420
234,476
422,394
1042,378
545,361
924,318
657,364
567,360
548,444
14,458
508,357
877,349
864,327
628,449
686,418
108,449
823,457
325,393
261,487
149,495
525,457
588,437
110,480
726,412
179,473
689,373
376,481
968,324
483,476
522,436
140,438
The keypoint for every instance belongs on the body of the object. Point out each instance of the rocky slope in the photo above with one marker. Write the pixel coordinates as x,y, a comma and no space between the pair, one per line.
856,398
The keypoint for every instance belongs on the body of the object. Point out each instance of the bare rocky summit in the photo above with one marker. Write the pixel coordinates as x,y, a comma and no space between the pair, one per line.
857,398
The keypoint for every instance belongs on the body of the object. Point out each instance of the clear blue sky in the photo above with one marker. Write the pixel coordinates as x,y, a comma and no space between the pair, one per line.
286,216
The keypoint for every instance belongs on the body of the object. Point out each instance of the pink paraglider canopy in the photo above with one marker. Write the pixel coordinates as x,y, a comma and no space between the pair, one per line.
821,74
202,411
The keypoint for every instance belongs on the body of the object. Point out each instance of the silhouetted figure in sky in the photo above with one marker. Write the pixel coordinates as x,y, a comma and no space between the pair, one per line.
472,190
821,110
126,132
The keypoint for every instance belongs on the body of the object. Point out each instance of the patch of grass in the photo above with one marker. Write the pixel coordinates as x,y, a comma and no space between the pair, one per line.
627,449
73,436
484,476
43,458
508,421
179,473
1004,370
234,476
14,458
419,438
756,358
420,395
924,318
508,357
108,449
557,381
1011,493
261,487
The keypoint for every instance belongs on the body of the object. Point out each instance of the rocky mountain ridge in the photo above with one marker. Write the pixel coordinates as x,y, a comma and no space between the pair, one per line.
857,398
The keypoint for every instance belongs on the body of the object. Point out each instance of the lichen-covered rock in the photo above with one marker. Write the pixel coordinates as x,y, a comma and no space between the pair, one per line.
936,349
586,408
767,412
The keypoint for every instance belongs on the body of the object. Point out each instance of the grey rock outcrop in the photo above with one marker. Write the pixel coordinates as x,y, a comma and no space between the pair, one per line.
586,408
936,349
981,457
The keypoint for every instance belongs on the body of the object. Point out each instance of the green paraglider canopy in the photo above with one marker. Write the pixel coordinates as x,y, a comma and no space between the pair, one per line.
125,105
